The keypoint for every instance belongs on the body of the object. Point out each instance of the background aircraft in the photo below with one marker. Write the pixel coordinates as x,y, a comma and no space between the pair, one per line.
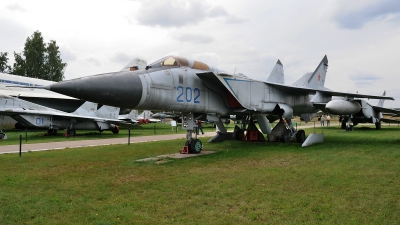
86,117
147,117
360,111
197,90
10,85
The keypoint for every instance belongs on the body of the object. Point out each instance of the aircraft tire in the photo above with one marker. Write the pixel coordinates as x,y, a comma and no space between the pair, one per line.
238,134
195,146
51,132
286,136
19,126
115,130
378,125
71,132
301,136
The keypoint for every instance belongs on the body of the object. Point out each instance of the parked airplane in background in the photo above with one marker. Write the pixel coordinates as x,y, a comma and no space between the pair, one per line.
360,111
10,86
166,115
131,117
178,84
146,117
86,117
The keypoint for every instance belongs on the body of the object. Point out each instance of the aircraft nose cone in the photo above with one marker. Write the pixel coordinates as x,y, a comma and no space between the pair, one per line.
115,89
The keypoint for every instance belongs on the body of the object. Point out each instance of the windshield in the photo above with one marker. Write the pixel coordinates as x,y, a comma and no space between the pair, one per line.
177,61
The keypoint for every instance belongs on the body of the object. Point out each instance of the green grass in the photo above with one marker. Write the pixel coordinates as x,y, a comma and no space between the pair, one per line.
351,178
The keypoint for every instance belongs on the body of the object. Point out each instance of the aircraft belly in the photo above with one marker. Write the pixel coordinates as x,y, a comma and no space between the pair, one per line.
91,125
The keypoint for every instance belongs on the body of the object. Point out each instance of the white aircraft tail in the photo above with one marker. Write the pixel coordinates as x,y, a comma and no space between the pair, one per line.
108,112
315,80
86,109
145,114
133,115
381,101
277,75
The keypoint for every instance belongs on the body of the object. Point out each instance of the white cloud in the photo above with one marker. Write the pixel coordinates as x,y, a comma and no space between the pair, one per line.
356,14
15,7
194,38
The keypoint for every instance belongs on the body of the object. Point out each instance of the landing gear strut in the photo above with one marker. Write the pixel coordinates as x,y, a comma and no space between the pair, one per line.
192,145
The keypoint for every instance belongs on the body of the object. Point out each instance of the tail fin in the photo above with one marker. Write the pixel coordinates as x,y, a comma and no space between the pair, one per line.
86,109
277,75
315,80
381,101
133,115
145,114
108,112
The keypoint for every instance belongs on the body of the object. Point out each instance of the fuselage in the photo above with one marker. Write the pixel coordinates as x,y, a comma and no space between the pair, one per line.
181,85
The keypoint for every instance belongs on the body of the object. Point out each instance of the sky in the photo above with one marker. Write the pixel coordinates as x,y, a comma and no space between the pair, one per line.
360,38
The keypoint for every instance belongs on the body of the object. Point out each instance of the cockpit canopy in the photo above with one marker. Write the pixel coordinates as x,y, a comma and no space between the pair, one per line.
177,61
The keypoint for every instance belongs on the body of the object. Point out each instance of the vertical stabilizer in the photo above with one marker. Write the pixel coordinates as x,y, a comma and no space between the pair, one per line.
133,114
108,112
86,109
145,114
381,101
277,75
315,80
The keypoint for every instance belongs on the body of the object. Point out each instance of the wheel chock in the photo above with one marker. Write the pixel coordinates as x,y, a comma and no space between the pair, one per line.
185,150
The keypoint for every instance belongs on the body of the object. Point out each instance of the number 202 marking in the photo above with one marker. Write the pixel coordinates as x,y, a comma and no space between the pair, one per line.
186,94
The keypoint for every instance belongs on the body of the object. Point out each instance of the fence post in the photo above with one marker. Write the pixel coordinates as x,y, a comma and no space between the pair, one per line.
129,135
20,145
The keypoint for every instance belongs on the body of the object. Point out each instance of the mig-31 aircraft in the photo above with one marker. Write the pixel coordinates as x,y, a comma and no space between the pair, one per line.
199,91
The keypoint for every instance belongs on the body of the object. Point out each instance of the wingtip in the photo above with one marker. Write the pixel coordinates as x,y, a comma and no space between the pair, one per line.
279,62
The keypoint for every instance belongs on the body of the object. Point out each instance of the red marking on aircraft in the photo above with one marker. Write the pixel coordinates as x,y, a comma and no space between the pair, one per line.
319,77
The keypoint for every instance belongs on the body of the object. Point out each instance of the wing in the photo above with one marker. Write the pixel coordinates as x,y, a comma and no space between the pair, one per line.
387,110
14,106
240,88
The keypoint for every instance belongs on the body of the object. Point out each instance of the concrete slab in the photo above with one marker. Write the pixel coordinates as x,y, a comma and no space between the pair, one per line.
175,156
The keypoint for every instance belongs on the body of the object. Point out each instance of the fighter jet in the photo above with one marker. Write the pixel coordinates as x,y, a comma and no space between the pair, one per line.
86,117
147,117
355,111
199,91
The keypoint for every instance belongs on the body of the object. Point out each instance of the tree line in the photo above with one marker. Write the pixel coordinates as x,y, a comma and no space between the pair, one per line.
38,60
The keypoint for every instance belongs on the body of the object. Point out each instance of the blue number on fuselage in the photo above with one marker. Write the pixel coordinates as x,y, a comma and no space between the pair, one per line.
189,92
39,121
196,97
180,93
